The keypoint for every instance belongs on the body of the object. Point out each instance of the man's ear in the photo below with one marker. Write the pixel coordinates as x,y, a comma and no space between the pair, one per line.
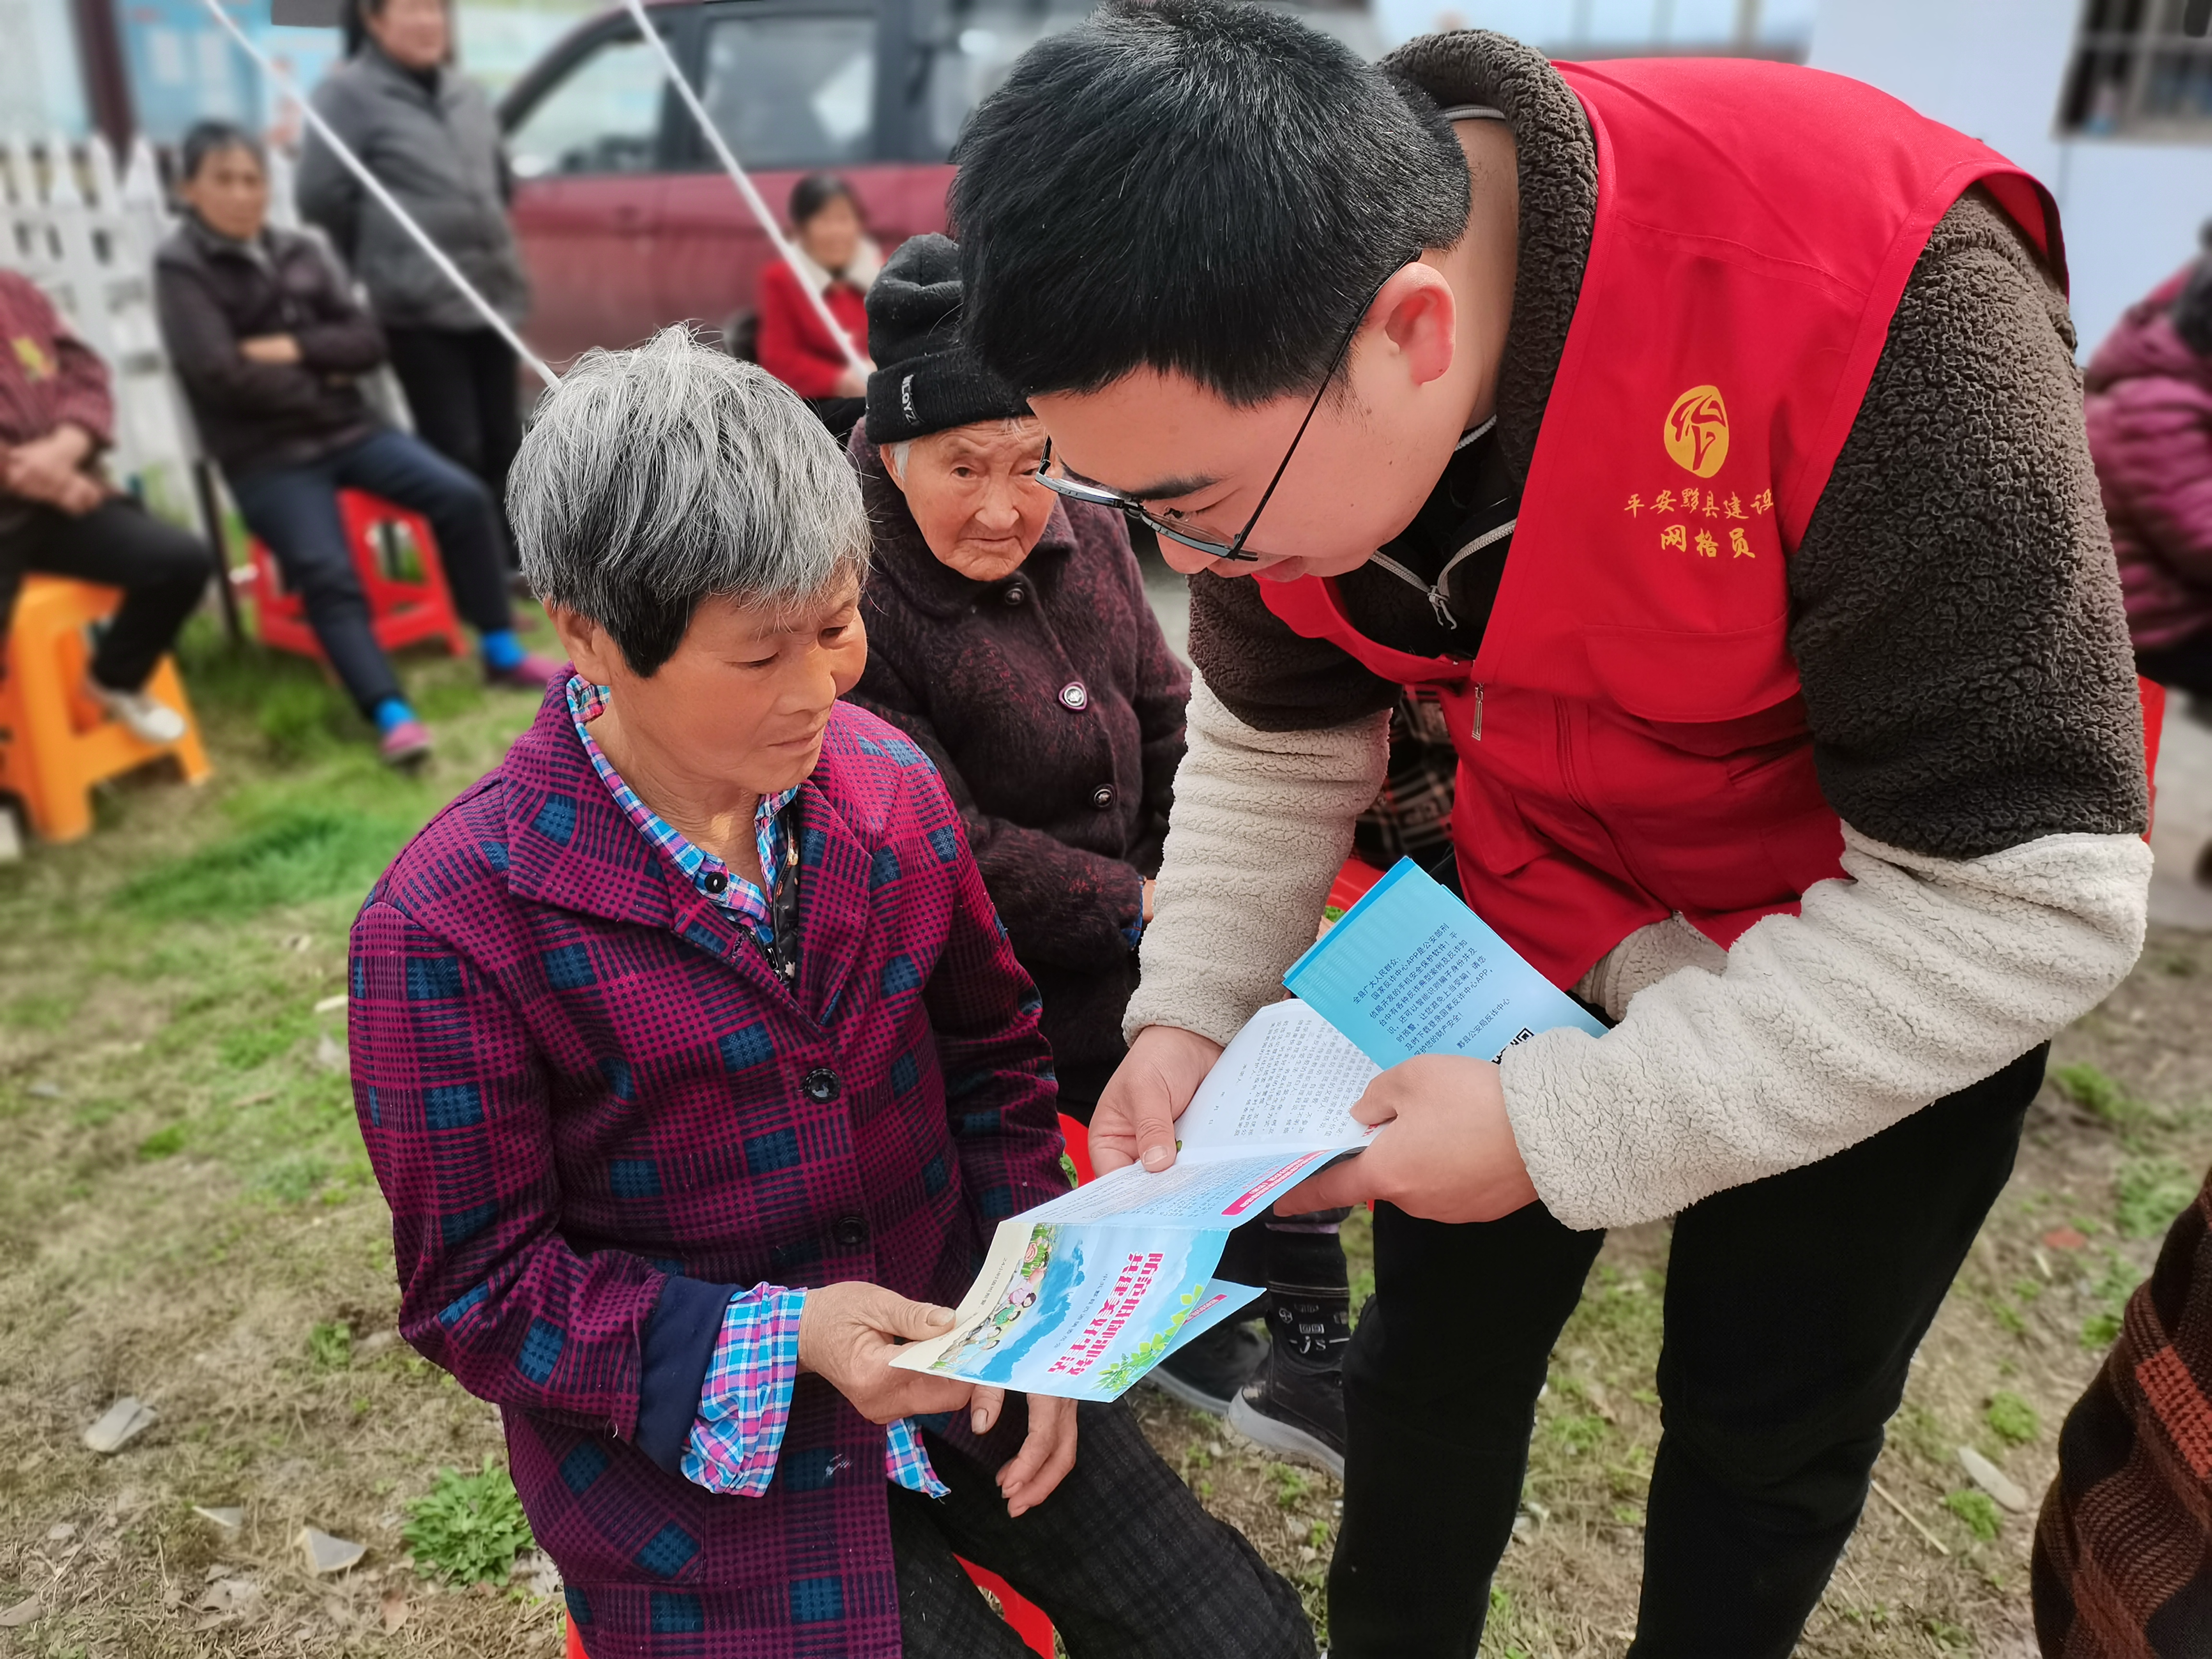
1419,316
589,645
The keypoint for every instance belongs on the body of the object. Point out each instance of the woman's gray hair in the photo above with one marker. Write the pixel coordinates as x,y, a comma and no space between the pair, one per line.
655,477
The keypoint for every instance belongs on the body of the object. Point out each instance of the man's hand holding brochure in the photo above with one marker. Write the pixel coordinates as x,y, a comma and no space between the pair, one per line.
1326,1098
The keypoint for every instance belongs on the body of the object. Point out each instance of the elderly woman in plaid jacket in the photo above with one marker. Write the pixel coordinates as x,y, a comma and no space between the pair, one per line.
696,1068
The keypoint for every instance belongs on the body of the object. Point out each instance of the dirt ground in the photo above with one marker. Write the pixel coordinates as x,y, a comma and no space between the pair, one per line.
186,1217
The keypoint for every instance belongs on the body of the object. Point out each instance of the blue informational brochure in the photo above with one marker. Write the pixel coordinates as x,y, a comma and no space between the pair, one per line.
1410,970
1082,1296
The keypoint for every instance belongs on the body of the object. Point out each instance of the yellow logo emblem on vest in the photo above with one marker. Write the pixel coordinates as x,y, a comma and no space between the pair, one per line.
1697,430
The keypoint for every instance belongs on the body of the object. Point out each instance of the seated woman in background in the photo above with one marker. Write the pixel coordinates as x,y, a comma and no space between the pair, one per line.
837,260
1013,641
697,1071
269,346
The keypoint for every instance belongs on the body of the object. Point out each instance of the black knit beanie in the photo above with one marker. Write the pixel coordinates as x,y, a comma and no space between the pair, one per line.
926,380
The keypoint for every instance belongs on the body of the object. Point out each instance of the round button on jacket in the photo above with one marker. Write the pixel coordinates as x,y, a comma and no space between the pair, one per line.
1014,595
821,1086
1075,694
851,1231
1103,796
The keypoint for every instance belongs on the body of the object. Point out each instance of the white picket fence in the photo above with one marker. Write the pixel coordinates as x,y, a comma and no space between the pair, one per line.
86,235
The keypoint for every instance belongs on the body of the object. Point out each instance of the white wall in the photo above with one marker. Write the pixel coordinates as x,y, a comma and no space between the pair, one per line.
1992,68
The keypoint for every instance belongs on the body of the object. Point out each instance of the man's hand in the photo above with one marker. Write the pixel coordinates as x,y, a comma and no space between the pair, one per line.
1046,1456
50,470
1146,1094
850,1333
270,348
1447,1153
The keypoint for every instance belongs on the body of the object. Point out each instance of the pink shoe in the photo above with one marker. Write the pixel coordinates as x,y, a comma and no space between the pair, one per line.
407,744
531,674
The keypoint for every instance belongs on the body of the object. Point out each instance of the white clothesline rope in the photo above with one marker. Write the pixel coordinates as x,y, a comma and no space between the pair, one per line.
375,187
744,184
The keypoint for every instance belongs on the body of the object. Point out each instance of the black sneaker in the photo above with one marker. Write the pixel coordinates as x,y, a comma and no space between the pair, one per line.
1294,1403
1207,1373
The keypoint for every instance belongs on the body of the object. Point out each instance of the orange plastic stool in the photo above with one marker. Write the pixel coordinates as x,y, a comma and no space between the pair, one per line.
55,743
405,606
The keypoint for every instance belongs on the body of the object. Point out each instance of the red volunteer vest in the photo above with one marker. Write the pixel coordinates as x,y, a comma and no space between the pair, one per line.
1632,738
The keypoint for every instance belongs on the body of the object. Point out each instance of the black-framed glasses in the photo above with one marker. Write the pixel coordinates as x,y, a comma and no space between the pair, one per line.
1078,489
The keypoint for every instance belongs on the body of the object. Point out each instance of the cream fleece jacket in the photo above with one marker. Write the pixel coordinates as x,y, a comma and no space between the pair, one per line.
1916,978
1263,823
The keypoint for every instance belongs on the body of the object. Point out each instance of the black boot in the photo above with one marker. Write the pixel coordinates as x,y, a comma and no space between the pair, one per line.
1207,1371
1294,1403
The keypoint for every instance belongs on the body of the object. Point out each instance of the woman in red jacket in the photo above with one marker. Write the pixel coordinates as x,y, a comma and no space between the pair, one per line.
838,260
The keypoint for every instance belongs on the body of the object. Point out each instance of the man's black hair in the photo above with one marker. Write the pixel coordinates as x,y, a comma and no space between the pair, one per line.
206,138
1200,186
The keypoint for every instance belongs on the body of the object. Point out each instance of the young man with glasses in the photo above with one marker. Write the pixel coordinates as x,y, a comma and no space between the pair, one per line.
1716,463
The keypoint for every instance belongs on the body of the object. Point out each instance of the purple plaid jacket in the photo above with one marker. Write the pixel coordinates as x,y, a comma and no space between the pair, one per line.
595,1113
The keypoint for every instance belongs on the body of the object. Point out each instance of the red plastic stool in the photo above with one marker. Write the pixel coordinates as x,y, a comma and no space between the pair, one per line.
409,600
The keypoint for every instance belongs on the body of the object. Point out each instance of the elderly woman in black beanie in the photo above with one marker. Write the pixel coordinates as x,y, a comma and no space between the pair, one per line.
1009,634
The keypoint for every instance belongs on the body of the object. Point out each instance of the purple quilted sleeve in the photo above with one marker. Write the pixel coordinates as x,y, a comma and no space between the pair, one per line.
454,1111
999,1085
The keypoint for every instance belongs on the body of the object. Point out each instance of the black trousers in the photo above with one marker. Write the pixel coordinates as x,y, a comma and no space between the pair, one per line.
461,391
162,571
1121,1556
295,509
1793,1309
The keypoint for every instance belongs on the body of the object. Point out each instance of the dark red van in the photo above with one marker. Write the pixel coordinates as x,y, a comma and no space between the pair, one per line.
626,223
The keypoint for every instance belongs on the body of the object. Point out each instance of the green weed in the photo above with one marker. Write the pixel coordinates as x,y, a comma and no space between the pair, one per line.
330,1345
2099,1094
162,1143
468,1528
2153,1191
1578,1433
1978,1509
2100,1331
1291,1484
2011,1419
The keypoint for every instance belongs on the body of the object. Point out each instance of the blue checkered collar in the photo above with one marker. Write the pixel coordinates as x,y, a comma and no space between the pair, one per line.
709,875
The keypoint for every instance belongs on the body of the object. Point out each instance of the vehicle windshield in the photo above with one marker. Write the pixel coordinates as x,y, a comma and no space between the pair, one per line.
980,39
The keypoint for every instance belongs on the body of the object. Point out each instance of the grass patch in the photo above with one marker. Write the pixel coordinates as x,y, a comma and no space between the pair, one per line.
2101,1095
2152,1192
298,852
330,1345
1978,1509
2012,1420
468,1528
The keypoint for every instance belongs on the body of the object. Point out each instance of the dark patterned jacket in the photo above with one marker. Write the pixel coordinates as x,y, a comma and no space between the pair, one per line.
1053,706
594,1110
2124,1549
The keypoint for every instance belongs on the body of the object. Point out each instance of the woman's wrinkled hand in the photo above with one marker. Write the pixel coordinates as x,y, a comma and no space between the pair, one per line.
849,1333
1046,1456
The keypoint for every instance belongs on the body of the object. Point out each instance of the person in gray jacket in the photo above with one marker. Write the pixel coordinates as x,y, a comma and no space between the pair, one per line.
427,134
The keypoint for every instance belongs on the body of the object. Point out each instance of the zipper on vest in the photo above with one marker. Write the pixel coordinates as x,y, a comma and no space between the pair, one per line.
1478,711
1434,591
